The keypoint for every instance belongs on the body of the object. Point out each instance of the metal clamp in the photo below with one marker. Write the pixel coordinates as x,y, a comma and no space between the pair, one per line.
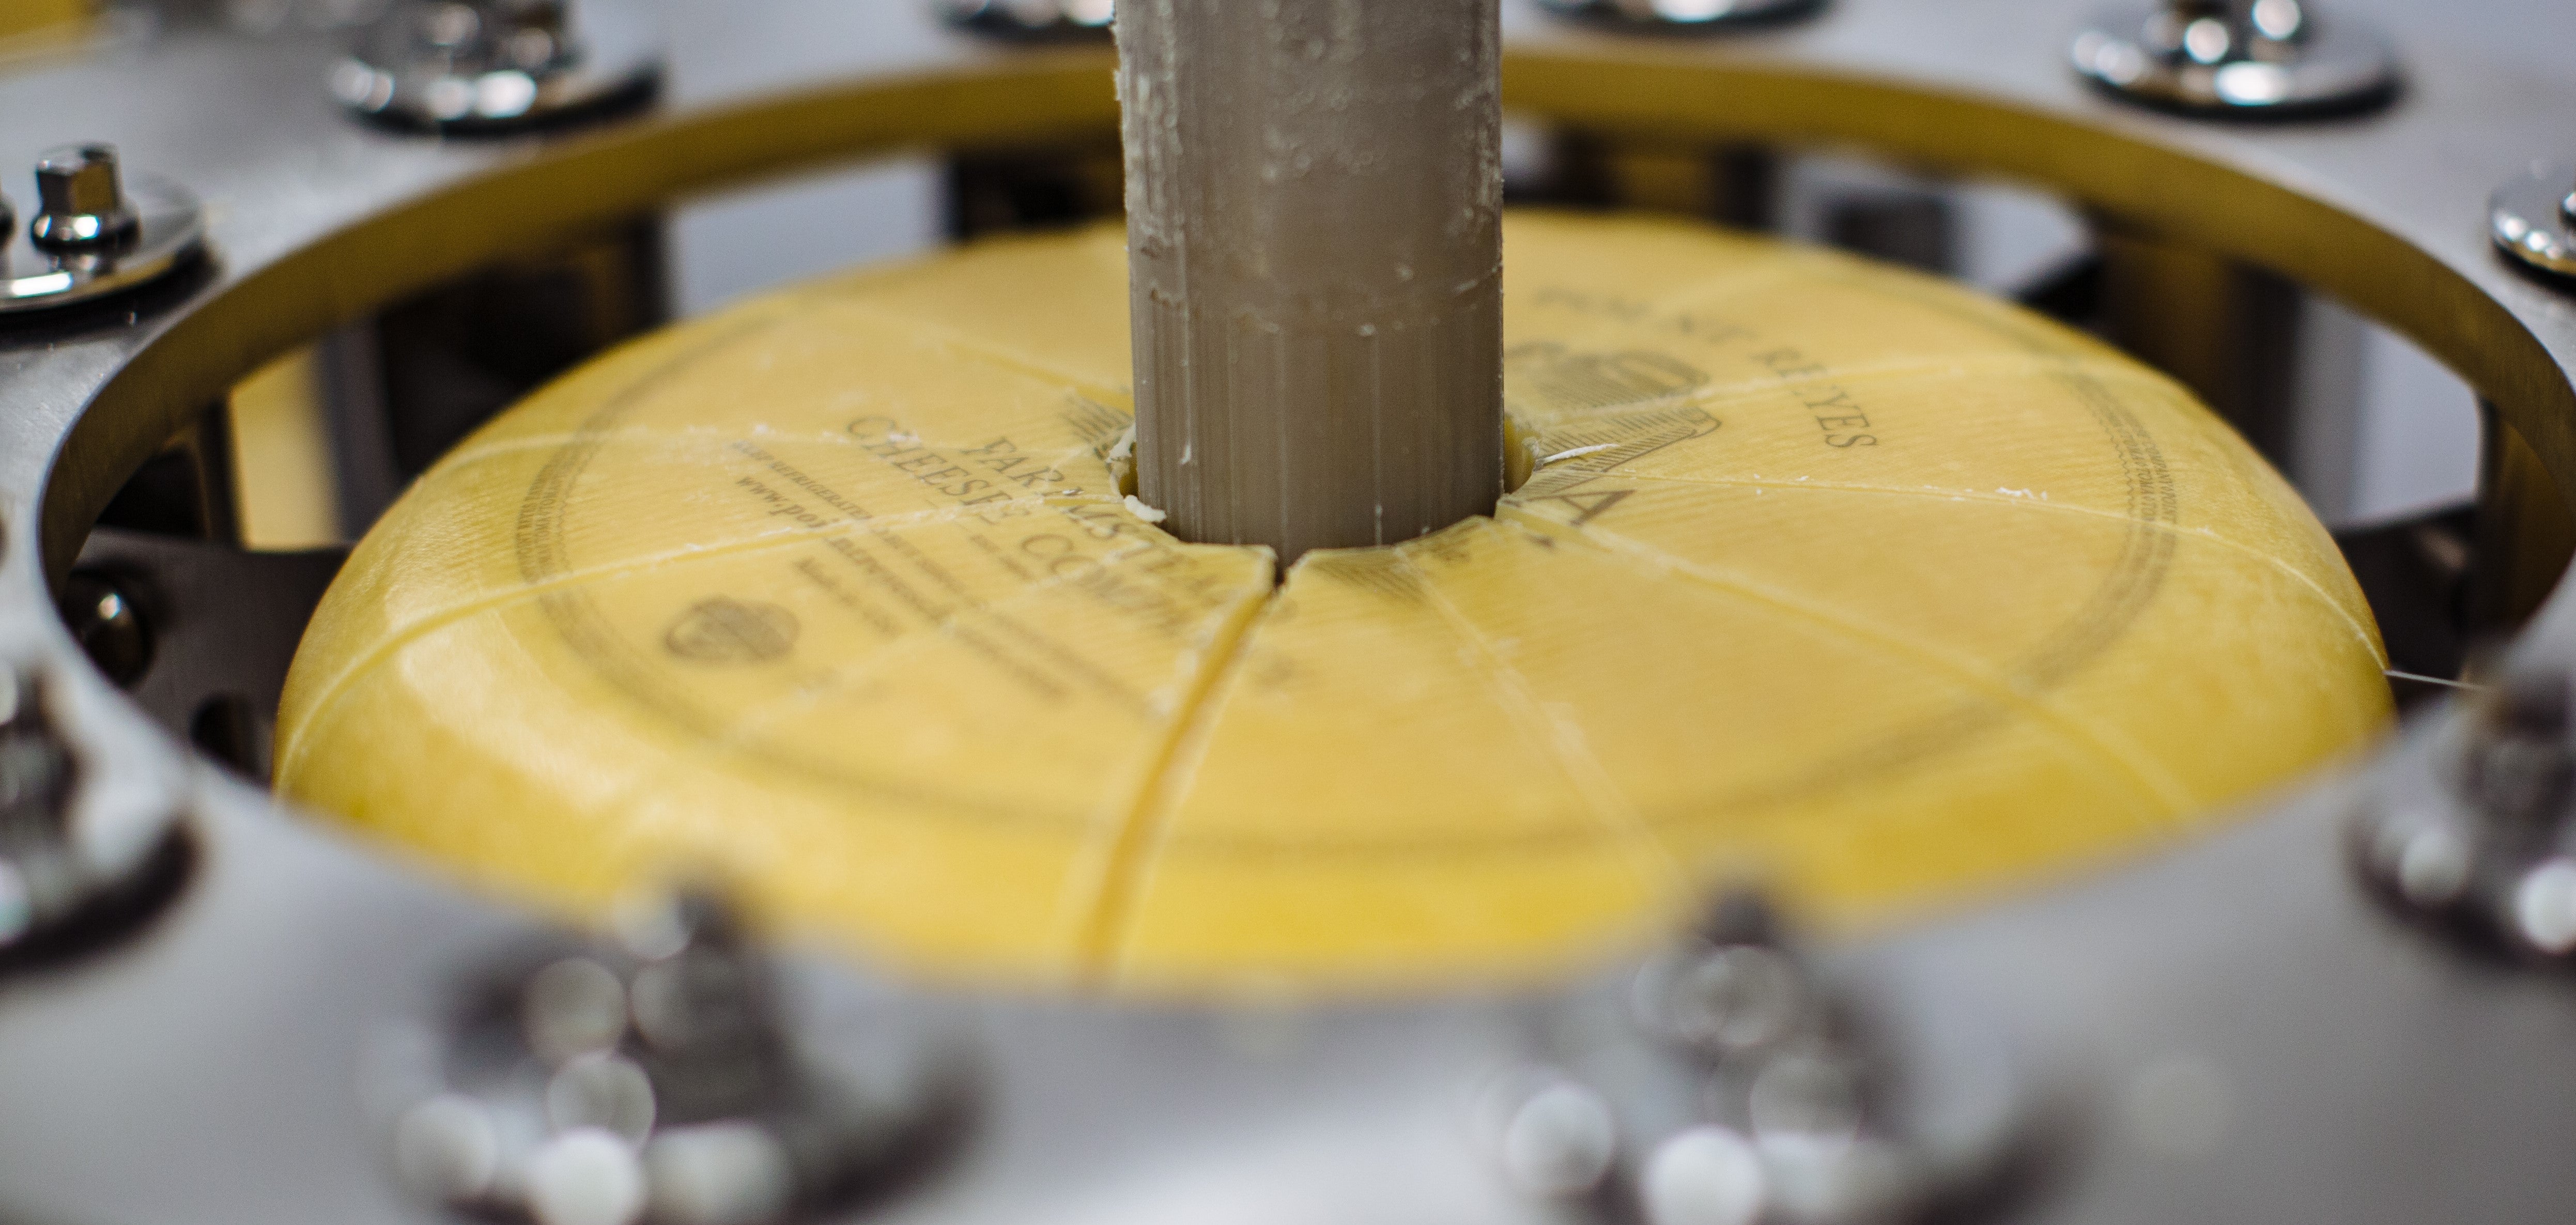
2238,57
98,232
1730,1083
467,66
1684,14
2534,219
657,1077
1033,19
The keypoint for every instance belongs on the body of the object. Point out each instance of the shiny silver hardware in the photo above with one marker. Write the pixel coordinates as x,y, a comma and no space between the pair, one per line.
1684,14
662,1078
80,859
499,65
1033,18
99,231
2534,219
1727,1081
83,200
2485,841
2238,57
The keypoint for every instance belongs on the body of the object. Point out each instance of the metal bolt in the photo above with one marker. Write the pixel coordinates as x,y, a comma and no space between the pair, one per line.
76,863
36,778
2237,57
1759,1094
82,200
1728,990
2489,840
2533,219
539,34
659,1079
586,1176
451,25
1032,18
719,1174
2215,31
41,879
104,615
2544,907
1704,1176
96,232
1815,1095
2280,20
2519,765
1683,14
1723,999
1558,1137
466,65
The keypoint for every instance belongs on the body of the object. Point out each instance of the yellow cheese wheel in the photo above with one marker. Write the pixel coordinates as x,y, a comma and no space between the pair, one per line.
1822,574
31,17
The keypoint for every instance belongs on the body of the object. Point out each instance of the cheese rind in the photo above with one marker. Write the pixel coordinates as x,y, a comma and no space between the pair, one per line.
1821,573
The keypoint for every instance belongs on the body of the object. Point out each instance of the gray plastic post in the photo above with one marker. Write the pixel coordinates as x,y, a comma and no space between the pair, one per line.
1314,194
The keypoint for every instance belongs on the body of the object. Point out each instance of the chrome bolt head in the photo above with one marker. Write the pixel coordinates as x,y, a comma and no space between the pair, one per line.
1032,18
1722,999
532,35
1683,15
74,865
500,65
1707,1175
2281,21
450,25
2235,57
2479,836
2533,219
2518,765
660,1077
82,198
97,232
104,612
1556,1137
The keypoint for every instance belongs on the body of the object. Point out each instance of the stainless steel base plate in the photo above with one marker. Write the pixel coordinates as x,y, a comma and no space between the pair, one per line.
2530,219
2137,54
172,233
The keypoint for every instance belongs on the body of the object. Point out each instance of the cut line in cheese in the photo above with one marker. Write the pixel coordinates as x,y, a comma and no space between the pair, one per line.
1817,573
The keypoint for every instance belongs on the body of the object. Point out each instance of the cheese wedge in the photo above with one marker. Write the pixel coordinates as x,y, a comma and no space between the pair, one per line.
1817,574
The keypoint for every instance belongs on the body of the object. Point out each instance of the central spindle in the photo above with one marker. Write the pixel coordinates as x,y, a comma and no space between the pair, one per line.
1314,204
